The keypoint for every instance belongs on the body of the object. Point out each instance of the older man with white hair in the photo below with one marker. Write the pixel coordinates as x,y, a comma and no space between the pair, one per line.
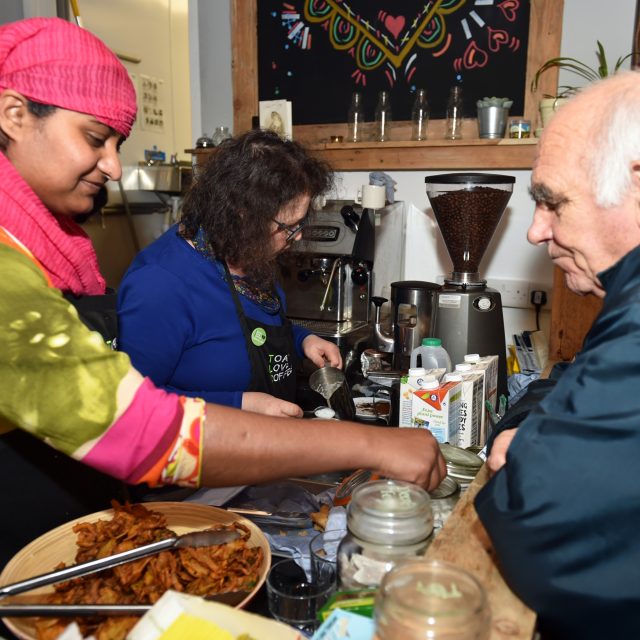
563,508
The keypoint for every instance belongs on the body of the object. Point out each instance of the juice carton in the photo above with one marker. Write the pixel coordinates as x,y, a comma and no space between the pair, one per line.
410,383
488,365
437,407
472,410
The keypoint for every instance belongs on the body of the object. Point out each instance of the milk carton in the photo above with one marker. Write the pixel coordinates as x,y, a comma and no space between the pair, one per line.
410,383
488,365
472,409
437,407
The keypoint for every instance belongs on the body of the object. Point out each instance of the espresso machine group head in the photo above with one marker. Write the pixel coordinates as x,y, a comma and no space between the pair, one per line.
468,315
326,275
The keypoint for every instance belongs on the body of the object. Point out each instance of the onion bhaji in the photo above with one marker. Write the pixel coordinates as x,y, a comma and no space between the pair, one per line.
202,571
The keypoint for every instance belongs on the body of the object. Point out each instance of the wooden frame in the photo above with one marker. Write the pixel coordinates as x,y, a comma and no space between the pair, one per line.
635,45
545,31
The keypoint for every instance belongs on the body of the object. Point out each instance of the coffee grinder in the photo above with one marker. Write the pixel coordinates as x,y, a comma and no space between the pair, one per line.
468,314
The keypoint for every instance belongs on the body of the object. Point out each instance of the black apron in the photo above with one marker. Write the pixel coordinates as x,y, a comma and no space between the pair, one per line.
271,349
43,488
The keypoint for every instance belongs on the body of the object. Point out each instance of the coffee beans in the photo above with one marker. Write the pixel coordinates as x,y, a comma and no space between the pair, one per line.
467,220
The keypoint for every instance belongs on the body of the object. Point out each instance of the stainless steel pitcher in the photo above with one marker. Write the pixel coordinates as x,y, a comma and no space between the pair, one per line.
331,384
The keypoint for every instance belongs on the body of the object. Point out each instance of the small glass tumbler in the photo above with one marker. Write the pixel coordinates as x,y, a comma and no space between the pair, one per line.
323,550
519,128
436,600
293,598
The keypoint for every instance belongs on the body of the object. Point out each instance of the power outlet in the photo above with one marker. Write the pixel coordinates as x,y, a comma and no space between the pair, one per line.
514,293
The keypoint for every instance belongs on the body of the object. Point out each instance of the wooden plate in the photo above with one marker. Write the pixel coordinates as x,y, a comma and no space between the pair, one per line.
59,545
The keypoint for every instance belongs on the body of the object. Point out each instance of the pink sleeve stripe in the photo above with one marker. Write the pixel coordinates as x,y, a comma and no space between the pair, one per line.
140,437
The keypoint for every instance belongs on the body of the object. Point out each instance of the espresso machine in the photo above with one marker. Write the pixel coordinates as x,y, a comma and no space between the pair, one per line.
326,275
468,314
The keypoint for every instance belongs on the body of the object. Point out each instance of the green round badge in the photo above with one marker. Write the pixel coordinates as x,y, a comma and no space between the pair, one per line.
259,336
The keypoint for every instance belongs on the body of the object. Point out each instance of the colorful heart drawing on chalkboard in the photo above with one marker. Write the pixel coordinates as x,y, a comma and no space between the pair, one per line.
391,37
497,38
510,9
384,36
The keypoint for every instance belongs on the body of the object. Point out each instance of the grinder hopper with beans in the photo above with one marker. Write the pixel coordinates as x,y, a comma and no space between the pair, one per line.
468,314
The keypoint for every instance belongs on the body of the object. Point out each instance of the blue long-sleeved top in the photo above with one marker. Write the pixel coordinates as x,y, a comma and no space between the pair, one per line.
564,512
178,323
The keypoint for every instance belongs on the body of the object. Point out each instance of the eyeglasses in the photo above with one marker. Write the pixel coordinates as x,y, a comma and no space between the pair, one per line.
292,230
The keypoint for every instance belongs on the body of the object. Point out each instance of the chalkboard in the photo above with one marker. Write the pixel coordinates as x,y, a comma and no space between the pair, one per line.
316,53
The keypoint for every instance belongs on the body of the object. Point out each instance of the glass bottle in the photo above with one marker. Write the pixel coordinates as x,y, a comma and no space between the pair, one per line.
419,600
221,133
387,521
454,114
355,119
204,142
383,117
420,116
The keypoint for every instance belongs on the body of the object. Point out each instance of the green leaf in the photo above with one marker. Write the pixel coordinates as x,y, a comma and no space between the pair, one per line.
579,68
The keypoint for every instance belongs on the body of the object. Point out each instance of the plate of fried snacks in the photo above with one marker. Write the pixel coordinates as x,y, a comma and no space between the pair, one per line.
237,566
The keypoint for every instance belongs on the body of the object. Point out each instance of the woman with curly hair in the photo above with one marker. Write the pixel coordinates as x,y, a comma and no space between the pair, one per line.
199,310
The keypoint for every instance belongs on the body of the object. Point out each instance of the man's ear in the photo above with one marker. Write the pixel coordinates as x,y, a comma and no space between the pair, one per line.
13,113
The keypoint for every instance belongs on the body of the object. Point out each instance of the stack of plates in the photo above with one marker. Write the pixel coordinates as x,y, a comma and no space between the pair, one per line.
462,465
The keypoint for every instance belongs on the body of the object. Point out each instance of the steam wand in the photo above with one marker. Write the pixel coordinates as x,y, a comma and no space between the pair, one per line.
328,287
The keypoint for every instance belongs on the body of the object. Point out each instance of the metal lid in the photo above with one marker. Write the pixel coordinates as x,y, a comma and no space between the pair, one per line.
390,512
461,459
416,284
445,489
474,178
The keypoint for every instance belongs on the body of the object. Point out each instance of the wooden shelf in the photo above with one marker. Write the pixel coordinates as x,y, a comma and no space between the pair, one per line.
429,155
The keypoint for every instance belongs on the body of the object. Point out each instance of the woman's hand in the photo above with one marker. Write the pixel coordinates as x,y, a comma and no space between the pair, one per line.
269,405
498,456
321,351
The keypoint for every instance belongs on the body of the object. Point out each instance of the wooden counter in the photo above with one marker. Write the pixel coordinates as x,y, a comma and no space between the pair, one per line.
464,542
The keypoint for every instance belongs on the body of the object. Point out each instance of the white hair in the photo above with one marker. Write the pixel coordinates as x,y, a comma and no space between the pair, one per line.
616,142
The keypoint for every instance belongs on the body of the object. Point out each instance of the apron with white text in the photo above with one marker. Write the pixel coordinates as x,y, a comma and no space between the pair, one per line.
271,350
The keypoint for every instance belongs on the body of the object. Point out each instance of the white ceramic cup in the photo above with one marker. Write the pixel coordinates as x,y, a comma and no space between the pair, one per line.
371,196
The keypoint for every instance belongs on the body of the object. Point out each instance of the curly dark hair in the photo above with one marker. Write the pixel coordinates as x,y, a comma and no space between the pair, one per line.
241,190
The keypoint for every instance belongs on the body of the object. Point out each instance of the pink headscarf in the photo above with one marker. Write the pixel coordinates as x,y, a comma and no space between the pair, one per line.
54,62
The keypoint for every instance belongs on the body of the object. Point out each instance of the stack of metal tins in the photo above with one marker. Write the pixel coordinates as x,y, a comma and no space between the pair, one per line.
462,465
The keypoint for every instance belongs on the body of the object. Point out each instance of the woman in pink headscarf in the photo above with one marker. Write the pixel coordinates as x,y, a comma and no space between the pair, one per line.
66,104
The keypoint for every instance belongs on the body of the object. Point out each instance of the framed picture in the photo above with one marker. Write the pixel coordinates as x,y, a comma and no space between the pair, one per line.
276,116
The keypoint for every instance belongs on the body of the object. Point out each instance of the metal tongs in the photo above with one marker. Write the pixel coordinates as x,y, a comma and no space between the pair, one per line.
293,519
205,538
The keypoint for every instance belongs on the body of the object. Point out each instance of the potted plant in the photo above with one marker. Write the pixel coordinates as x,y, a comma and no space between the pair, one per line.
550,104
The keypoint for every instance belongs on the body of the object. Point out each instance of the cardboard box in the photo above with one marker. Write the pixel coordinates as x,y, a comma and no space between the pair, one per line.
488,365
438,410
472,409
409,384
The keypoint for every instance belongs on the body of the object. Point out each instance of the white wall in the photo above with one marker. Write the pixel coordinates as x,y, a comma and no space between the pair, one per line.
509,255
156,32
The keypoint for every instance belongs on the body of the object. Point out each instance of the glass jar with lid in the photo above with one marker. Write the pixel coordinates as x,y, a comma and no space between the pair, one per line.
387,521
421,600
